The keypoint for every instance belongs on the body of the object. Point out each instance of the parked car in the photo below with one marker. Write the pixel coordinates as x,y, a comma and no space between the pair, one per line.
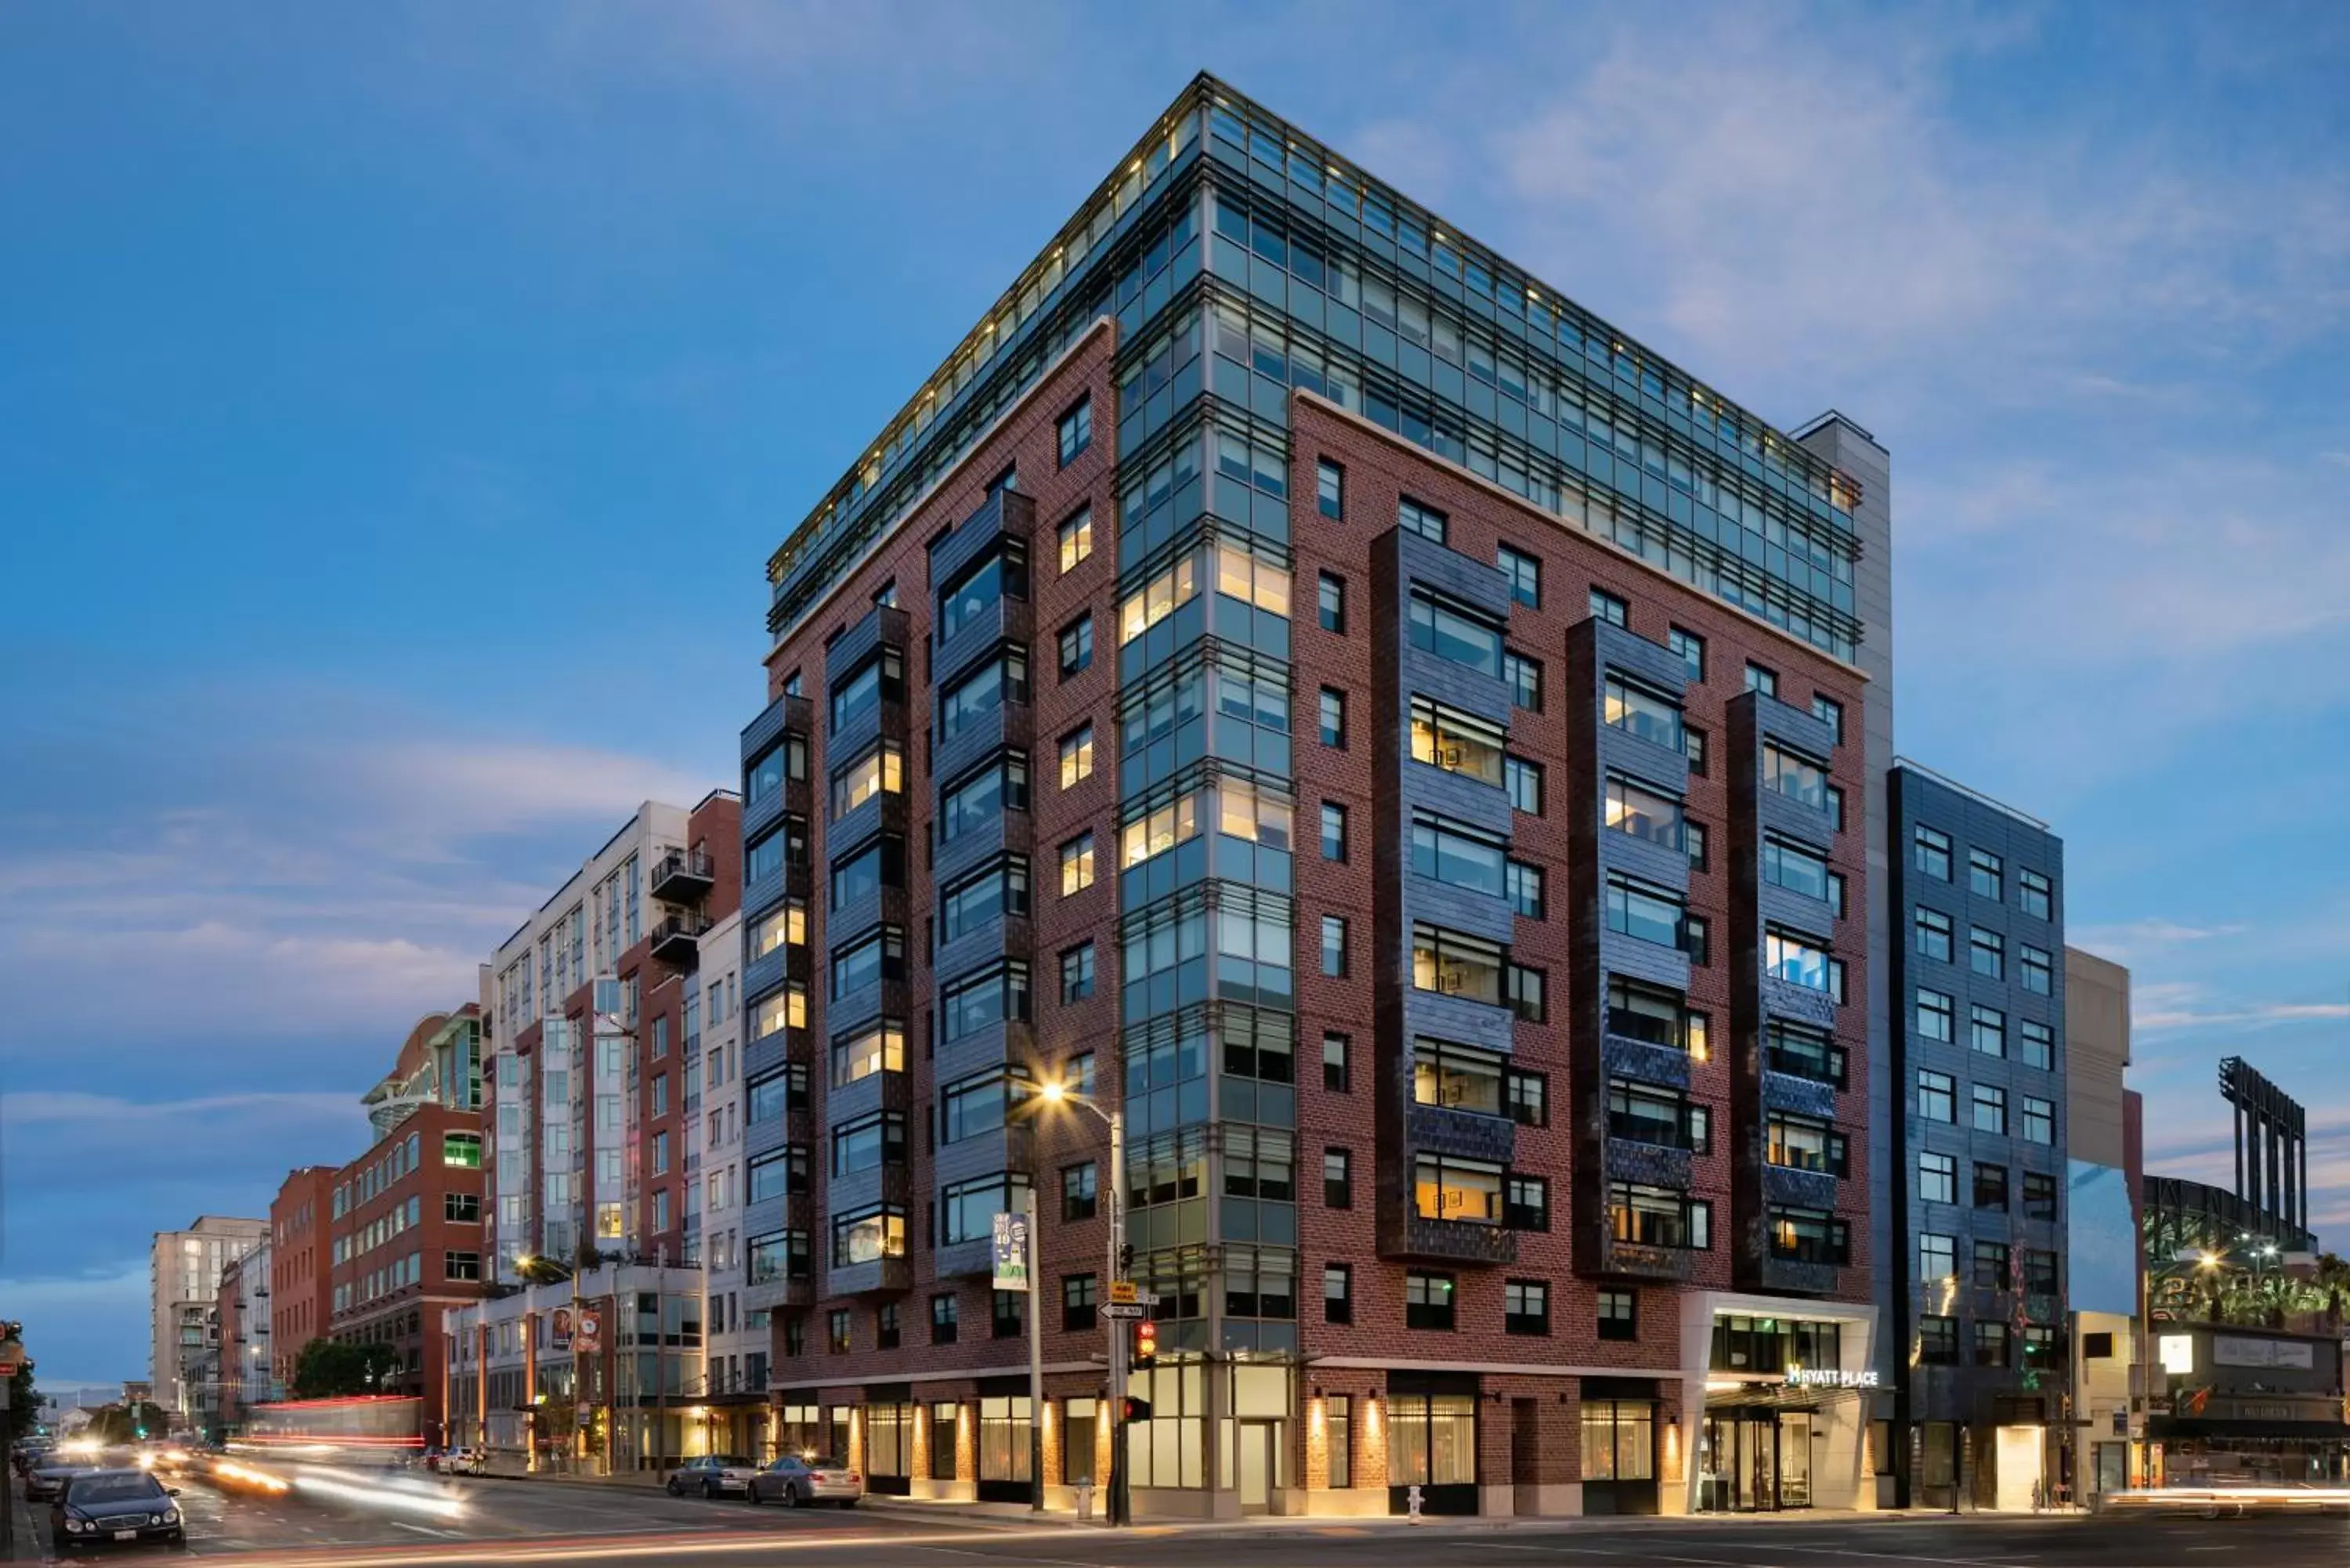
464,1462
46,1479
711,1474
795,1481
105,1506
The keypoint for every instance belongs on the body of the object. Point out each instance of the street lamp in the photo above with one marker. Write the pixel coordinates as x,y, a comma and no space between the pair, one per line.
526,1264
1055,1094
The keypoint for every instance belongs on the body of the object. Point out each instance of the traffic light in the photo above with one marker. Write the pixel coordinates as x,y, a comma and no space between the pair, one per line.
1135,1410
1146,1342
1126,1261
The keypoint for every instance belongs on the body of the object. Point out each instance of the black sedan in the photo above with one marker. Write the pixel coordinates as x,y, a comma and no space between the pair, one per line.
102,1507
46,1479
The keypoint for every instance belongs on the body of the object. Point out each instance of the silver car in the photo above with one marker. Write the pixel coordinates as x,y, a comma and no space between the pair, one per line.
711,1474
794,1480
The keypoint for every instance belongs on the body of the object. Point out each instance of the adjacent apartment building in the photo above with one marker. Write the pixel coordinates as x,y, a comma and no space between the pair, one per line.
596,1201
1982,1415
1298,680
404,1223
184,1287
301,1266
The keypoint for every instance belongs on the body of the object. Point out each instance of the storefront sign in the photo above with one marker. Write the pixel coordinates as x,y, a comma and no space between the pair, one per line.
2176,1354
2229,1350
1829,1377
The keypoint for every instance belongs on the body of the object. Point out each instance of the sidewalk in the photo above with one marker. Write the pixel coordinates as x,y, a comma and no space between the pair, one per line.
32,1527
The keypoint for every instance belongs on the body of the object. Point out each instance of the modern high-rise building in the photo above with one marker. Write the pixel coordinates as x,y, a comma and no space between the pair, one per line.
734,1393
1980,1154
184,1287
1301,682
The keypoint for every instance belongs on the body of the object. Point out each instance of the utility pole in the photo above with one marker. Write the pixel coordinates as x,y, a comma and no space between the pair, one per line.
1121,1510
1035,1365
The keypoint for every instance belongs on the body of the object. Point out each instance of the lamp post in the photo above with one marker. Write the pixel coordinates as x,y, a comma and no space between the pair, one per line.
534,1262
1120,1505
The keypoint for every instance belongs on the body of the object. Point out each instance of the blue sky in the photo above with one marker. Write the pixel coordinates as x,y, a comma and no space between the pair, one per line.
396,404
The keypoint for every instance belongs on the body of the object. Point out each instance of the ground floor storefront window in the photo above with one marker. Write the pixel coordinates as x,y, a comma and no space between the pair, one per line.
1433,1444
1619,1456
1004,1470
1078,1442
889,1448
946,1426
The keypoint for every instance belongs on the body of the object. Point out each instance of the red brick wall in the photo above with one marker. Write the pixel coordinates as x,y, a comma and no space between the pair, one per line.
300,1264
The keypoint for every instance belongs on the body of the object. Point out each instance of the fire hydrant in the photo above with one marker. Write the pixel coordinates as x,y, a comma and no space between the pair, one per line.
1414,1500
1085,1502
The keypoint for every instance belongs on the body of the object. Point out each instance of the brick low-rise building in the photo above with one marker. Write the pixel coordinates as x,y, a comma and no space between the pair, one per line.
405,1221
1300,682
301,1266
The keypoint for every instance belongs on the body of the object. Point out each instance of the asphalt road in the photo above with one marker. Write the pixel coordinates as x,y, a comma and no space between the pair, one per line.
506,1522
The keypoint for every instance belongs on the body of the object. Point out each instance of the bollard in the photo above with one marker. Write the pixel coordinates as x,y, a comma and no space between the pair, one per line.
1085,1502
1414,1500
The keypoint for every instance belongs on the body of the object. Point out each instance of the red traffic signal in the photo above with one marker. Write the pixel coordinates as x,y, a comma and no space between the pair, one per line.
1146,1342
1135,1410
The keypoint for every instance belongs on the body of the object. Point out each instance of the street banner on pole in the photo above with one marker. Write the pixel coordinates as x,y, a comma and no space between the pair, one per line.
1011,1252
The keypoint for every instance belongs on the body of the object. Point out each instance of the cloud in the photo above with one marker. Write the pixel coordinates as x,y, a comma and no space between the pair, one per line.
2256,1015
2132,942
31,1107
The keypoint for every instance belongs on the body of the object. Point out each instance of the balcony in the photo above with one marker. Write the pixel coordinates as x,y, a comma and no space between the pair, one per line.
1643,1260
1456,1240
677,940
683,876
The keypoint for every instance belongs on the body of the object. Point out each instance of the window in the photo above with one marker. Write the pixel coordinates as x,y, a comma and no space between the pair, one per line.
1986,874
1759,678
1938,1096
460,1265
1338,1178
1694,840
1524,678
1428,1300
1809,1236
1454,634
660,1153
1076,1304
1805,1143
1618,1440
1643,712
1525,1097
1933,933
996,994
1800,960
2035,894
1986,953
1645,1113
1693,748
999,785
1526,994
2038,1121
1455,741
1334,945
1459,855
867,1143
2039,970
1523,779
1525,1203
984,692
1799,869
1937,1016
1427,521
1075,430
1334,831
1938,1178
1078,1199
1333,717
879,957
1829,712
1076,533
1078,863
2039,1189
837,1330
1937,1341
1619,1314
1931,851
1330,489
1456,964
883,679
1524,885
1691,649
1331,597
879,771
1644,813
1607,607
1991,1110
1077,973
1337,1073
1987,1029
1525,574
982,1103
1938,1257
943,1317
1009,1318
1077,755
1525,1306
1991,1342
1796,776
1076,645
2035,1044
1338,1293
1659,1216
462,1208
1991,1185
463,1149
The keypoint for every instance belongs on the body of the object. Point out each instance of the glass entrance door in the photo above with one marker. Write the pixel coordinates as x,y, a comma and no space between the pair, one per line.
1795,1460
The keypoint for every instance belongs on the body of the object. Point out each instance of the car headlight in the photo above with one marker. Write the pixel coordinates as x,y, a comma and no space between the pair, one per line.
171,1515
154,1519
75,1524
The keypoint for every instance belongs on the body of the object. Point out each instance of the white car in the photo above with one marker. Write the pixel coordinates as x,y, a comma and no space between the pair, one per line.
711,1474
